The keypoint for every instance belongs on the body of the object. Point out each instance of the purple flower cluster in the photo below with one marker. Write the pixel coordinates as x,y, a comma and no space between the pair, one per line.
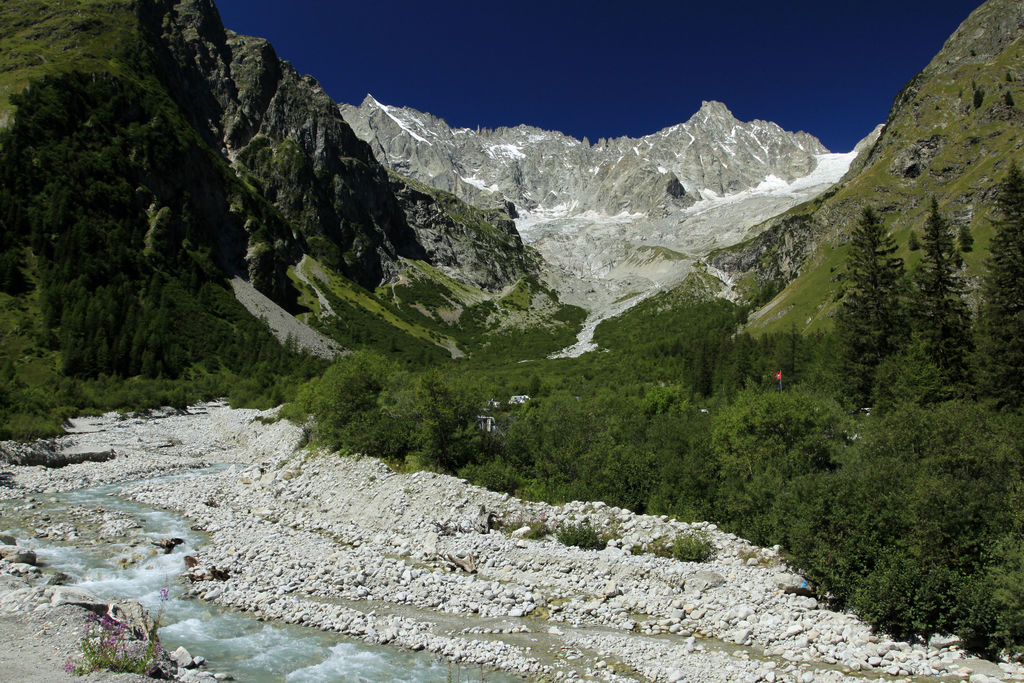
110,644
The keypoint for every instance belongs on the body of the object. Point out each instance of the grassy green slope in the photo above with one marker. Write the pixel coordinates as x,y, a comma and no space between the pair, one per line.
38,39
109,206
426,311
951,135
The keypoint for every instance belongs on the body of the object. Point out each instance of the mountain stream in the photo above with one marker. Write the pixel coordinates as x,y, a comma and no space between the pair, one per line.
116,560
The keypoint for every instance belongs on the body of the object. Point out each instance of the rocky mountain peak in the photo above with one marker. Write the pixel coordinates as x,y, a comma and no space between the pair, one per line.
555,174
283,133
619,215
712,109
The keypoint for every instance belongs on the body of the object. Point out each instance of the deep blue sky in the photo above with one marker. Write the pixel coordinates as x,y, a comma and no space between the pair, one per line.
606,68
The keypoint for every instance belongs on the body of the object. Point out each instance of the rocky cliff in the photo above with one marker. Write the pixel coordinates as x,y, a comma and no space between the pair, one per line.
285,137
546,172
175,156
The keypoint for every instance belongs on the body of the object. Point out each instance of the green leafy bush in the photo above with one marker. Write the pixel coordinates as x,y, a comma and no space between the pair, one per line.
581,535
693,547
763,441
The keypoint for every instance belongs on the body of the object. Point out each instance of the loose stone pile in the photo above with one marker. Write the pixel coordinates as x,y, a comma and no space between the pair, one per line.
348,545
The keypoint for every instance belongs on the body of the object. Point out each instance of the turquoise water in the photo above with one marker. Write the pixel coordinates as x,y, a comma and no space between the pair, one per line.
231,641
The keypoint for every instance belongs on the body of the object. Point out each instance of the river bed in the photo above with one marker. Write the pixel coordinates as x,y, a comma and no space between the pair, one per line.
104,543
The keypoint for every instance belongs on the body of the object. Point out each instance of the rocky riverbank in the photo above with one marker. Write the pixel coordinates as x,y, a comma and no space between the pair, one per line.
346,544
42,623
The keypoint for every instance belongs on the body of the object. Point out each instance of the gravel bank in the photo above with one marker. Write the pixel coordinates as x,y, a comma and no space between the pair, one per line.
37,643
346,544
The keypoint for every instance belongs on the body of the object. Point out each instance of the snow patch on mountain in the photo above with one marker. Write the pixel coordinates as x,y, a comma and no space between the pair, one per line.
403,124
590,208
506,150
829,170
479,184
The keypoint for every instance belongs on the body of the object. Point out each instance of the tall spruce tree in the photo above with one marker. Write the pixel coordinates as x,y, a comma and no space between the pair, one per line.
1001,339
943,319
870,319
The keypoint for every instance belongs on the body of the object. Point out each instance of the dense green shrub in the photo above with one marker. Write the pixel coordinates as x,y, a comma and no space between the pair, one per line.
581,535
763,441
915,527
693,547
494,474
345,399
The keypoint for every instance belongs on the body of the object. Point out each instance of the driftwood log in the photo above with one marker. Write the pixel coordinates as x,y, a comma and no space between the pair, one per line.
466,563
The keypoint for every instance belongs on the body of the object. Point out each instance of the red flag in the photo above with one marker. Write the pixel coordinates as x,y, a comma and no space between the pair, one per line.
778,375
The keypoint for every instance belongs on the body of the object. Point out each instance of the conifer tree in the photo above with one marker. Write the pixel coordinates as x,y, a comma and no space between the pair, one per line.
943,318
870,320
914,243
1002,313
965,239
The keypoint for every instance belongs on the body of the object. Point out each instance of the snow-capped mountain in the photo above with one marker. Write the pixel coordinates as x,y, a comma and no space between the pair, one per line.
621,219
711,155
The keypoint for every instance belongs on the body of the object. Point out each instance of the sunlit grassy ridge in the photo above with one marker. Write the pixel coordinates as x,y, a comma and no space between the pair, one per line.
952,140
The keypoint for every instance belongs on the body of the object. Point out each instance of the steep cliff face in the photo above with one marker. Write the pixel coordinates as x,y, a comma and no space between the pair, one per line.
711,155
443,225
284,136
148,156
951,134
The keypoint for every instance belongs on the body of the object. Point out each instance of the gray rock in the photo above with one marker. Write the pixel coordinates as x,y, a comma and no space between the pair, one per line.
70,455
182,658
17,554
7,539
939,641
702,580
134,616
66,595
611,589
983,667
59,579
428,545
50,453
794,584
